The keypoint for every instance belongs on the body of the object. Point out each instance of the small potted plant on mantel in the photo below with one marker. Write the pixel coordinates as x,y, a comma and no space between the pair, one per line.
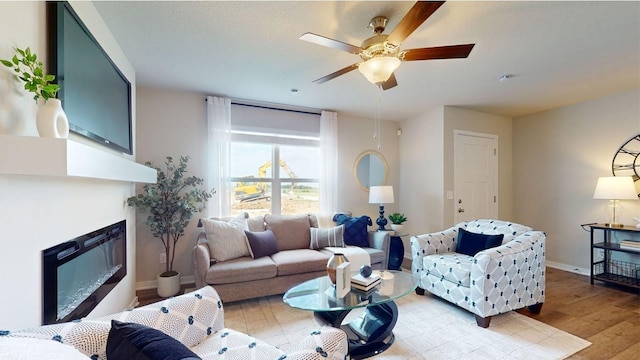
170,203
396,222
51,120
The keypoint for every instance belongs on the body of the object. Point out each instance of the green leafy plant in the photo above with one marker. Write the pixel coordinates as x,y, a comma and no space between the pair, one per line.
28,69
171,202
397,218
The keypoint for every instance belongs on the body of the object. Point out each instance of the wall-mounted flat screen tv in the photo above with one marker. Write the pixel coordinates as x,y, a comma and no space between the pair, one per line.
95,95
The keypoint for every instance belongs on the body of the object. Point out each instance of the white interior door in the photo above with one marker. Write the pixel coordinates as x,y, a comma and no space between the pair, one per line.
475,176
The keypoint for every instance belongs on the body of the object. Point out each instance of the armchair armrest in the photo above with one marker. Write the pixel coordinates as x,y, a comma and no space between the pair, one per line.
433,243
325,343
201,260
516,267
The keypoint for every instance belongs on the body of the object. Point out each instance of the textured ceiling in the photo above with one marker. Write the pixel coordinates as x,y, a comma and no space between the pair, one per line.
559,53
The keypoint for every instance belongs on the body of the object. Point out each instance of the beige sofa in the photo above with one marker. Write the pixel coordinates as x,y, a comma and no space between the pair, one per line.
244,277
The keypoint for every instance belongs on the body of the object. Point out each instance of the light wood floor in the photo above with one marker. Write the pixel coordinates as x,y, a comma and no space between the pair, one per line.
607,316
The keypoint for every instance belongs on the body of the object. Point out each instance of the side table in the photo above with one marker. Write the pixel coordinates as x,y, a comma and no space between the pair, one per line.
396,252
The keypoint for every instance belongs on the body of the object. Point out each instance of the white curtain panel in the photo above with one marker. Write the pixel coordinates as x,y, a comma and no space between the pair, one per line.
219,138
329,162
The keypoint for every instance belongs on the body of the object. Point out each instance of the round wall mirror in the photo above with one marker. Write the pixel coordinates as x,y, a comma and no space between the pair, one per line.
370,169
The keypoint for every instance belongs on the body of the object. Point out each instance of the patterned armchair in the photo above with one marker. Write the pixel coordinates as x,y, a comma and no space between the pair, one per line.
494,281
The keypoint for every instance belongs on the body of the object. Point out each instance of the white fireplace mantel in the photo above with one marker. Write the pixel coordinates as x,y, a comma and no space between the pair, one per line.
37,156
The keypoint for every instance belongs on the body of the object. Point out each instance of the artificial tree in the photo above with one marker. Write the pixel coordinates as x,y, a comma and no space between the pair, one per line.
170,203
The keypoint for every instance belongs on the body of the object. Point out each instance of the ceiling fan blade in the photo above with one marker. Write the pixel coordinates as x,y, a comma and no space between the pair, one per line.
391,82
414,18
335,44
336,74
438,52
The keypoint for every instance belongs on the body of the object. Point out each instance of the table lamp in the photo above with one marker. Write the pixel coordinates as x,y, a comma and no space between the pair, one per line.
615,188
381,195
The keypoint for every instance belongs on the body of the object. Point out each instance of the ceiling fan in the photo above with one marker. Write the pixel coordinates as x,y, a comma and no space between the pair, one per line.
381,54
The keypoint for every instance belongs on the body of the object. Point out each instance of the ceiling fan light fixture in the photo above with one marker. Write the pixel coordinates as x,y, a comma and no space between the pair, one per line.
378,69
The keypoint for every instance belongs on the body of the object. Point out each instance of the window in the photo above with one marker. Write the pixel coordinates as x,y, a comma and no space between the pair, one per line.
273,169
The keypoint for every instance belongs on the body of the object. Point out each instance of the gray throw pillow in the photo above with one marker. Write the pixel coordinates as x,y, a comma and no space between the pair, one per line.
323,237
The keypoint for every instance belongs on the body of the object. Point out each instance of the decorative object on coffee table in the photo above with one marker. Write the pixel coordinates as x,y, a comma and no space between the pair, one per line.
51,120
381,195
171,202
334,261
365,270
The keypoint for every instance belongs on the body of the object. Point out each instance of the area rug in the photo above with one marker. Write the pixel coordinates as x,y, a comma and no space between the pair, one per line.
427,328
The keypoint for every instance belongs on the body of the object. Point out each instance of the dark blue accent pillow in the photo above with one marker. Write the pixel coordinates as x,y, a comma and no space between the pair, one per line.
261,243
133,341
470,243
355,229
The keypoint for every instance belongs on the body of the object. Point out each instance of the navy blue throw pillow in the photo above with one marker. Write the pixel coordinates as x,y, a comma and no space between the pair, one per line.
470,243
133,341
355,229
261,243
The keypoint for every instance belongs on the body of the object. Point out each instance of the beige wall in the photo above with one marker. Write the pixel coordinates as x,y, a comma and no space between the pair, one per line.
174,123
170,123
421,168
39,212
558,157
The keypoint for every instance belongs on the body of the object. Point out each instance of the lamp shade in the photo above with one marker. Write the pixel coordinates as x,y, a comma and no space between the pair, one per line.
615,188
378,69
381,195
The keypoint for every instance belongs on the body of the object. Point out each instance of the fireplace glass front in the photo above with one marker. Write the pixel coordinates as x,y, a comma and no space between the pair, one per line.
79,273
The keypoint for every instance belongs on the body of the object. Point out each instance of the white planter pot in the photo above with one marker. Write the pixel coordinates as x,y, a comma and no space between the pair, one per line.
168,285
397,228
51,120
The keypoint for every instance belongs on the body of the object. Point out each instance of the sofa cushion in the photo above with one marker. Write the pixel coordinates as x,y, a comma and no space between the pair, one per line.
291,231
355,229
470,243
299,261
241,269
453,267
256,223
321,238
226,239
133,341
261,243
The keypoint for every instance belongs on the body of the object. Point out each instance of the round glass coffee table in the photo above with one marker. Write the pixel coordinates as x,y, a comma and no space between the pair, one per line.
371,332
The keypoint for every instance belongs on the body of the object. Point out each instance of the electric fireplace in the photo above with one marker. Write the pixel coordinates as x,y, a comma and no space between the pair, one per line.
79,273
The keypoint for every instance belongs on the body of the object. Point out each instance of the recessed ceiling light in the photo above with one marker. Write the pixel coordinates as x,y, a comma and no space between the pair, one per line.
505,77
294,91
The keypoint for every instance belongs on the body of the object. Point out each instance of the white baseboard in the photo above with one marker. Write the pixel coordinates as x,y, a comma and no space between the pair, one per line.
569,268
153,284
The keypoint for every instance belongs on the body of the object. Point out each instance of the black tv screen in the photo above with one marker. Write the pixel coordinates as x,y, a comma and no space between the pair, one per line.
95,95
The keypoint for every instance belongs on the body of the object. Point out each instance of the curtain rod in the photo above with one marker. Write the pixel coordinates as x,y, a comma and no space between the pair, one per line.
272,107
275,108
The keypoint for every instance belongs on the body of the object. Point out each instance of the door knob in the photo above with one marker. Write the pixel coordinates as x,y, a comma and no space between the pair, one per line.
460,210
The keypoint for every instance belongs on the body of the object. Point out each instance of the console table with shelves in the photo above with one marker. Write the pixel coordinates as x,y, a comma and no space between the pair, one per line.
612,270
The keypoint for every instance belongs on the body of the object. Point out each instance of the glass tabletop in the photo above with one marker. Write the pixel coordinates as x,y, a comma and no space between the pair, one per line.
319,294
